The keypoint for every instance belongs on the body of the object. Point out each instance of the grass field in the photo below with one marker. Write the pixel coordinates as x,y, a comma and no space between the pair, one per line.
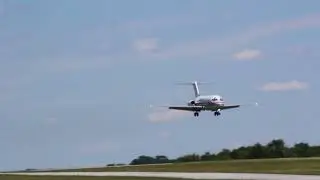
283,166
14,177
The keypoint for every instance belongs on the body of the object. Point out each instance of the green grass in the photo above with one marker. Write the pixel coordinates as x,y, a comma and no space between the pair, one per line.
21,177
283,166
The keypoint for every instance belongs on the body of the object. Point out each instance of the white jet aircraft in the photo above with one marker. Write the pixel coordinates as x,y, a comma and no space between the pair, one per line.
204,102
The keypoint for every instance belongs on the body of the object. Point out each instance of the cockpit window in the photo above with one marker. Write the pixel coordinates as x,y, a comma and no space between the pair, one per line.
214,99
221,99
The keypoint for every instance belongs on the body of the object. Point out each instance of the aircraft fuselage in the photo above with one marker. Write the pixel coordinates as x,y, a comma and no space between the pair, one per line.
207,100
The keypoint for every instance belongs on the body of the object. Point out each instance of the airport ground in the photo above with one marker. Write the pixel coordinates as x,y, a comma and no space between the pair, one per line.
18,177
300,166
276,168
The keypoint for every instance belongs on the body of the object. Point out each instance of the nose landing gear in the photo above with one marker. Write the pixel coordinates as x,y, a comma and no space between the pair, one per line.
196,114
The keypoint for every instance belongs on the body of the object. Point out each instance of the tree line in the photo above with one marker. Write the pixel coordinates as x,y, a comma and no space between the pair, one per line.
274,149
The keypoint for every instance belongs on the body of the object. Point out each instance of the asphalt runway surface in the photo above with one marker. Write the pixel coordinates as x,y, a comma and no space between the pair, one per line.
220,176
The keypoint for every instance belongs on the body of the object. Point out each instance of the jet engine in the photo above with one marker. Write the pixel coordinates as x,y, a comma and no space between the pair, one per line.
190,103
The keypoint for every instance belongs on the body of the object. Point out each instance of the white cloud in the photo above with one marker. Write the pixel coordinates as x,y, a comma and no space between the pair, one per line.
284,86
166,116
248,54
146,45
221,46
212,45
217,46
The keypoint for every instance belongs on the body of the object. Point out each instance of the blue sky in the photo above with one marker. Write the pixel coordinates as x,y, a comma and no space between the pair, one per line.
77,77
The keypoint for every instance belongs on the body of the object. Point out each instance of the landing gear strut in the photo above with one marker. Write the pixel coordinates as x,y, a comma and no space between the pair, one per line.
196,114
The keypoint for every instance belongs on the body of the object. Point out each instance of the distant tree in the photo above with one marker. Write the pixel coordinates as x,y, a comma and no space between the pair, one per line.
301,149
276,148
289,152
240,153
120,164
224,154
161,159
257,151
143,160
189,158
314,151
206,157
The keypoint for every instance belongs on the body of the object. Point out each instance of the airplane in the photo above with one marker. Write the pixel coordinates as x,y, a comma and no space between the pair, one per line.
200,102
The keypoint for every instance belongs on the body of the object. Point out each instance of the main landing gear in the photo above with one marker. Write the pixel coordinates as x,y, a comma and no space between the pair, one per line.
217,113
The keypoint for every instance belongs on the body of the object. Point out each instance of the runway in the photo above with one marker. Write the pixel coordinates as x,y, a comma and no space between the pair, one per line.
235,176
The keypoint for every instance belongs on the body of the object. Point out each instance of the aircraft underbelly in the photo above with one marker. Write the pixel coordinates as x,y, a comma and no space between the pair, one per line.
206,103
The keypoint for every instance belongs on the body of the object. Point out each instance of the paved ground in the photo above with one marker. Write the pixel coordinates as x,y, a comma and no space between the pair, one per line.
243,176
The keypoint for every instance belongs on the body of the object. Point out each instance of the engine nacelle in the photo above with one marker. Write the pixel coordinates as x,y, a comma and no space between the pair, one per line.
192,102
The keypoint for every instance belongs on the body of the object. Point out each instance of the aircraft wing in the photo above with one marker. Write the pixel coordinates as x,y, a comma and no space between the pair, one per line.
187,108
215,108
202,108
228,107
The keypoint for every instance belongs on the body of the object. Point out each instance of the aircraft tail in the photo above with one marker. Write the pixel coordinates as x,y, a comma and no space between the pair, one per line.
195,86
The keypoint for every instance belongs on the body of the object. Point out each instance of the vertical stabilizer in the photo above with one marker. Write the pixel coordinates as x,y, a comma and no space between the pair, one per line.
194,85
196,89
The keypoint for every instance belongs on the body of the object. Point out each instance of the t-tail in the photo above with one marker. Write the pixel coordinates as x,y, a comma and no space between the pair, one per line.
195,86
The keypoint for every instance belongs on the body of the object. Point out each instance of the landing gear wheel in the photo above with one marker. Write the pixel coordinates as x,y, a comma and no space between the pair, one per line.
196,114
217,113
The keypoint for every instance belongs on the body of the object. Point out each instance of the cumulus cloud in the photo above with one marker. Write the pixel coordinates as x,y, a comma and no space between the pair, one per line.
166,116
223,45
248,54
284,86
190,49
146,45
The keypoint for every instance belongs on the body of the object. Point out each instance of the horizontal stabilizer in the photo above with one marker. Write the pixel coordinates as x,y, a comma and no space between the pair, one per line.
193,82
195,86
